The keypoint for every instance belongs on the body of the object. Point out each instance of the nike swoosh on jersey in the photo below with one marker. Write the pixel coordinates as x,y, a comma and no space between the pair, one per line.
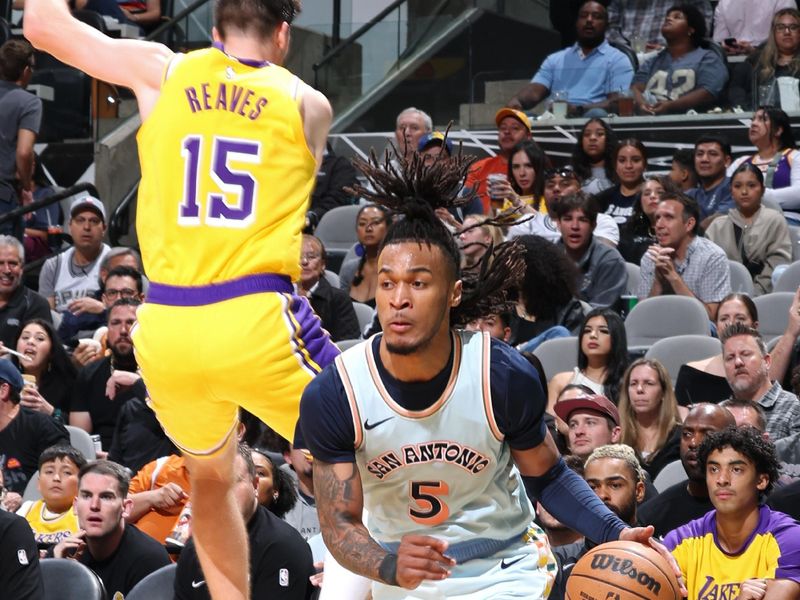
368,425
197,584
505,565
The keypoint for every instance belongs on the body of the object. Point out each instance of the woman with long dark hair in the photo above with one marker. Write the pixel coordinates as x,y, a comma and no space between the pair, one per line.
602,357
359,276
630,163
50,370
276,490
593,156
777,159
754,235
638,234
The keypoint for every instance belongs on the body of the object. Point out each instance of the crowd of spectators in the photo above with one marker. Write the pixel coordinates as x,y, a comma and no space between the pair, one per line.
68,362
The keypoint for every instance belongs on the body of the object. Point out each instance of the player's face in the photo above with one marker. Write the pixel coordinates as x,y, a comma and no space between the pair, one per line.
87,230
265,483
589,430
34,343
645,391
99,505
745,368
511,132
120,322
613,482
10,269
58,483
576,230
312,266
414,296
733,483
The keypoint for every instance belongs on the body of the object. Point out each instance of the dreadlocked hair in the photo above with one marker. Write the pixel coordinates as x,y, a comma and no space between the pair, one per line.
414,191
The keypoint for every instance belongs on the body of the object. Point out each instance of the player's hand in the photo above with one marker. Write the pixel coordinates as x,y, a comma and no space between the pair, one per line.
752,589
317,577
120,380
30,398
12,501
71,547
421,558
86,305
169,498
644,535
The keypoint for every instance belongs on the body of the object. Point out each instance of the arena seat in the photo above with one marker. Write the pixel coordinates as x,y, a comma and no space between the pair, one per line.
337,231
32,492
156,586
653,319
773,313
634,278
557,355
365,314
671,474
789,280
741,281
66,579
675,351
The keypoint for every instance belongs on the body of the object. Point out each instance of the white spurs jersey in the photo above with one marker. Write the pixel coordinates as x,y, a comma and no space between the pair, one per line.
444,471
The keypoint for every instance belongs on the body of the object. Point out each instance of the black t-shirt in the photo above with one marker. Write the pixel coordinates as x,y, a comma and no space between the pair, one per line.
138,437
89,395
786,499
20,575
694,386
613,202
280,563
22,442
518,403
24,305
672,508
136,557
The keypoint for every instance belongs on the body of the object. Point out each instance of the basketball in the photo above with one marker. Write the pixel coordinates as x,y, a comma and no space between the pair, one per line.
622,571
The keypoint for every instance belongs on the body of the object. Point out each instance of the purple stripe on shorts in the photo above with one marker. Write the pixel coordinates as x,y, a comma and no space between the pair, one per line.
316,340
176,295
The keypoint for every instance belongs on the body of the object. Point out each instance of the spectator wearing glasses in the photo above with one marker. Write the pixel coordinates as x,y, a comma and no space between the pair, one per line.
749,25
359,276
22,117
684,75
334,307
73,275
754,81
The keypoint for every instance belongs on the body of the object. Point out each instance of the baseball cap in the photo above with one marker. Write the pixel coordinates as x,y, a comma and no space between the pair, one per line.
10,374
512,112
597,403
434,138
88,203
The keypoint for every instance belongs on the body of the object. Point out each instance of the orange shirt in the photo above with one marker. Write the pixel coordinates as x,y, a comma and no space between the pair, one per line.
172,469
480,171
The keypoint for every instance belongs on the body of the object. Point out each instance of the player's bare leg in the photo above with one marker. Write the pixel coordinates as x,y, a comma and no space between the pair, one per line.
217,525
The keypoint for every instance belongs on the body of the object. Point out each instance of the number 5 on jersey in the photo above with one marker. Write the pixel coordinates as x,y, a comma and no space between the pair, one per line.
236,206
426,507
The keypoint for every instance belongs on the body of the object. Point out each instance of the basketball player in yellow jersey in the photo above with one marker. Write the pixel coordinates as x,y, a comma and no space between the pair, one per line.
229,147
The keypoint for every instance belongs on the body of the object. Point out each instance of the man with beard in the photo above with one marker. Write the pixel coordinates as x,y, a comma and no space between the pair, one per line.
591,71
688,499
615,475
92,408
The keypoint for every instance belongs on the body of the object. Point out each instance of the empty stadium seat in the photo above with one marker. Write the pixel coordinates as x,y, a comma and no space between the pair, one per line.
773,313
661,317
337,231
675,351
634,278
156,586
557,355
364,314
741,280
789,280
67,579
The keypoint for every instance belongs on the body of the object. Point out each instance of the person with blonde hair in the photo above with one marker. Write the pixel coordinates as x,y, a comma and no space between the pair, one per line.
475,237
649,415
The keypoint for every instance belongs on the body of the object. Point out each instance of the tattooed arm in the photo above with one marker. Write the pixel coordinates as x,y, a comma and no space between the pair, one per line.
340,503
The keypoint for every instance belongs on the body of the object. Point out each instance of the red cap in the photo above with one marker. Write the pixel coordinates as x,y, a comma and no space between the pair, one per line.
596,403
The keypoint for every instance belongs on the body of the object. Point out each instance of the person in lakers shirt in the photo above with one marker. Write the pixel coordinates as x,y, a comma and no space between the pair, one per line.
229,146
741,549
52,518
431,428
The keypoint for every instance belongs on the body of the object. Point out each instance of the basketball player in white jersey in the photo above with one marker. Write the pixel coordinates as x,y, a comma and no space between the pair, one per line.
433,429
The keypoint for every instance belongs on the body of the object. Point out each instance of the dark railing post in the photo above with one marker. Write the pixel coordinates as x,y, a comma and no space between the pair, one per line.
336,26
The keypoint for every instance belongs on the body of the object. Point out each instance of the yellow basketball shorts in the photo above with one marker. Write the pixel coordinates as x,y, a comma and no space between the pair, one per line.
206,351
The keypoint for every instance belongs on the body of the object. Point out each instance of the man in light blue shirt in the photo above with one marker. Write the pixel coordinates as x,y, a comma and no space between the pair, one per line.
591,72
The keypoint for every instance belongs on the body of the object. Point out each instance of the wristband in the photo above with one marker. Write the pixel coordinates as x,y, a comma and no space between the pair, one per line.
387,570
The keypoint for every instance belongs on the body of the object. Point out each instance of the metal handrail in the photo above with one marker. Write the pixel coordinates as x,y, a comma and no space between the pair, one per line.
116,222
350,40
173,22
57,197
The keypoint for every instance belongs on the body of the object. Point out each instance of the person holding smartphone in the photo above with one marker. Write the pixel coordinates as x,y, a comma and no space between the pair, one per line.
741,26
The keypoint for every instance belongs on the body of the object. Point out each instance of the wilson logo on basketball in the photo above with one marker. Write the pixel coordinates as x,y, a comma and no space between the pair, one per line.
609,562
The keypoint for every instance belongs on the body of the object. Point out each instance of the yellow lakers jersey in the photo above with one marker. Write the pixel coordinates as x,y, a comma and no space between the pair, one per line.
226,172
49,529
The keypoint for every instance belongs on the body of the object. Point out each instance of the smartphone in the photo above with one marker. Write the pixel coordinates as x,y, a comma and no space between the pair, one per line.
731,42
